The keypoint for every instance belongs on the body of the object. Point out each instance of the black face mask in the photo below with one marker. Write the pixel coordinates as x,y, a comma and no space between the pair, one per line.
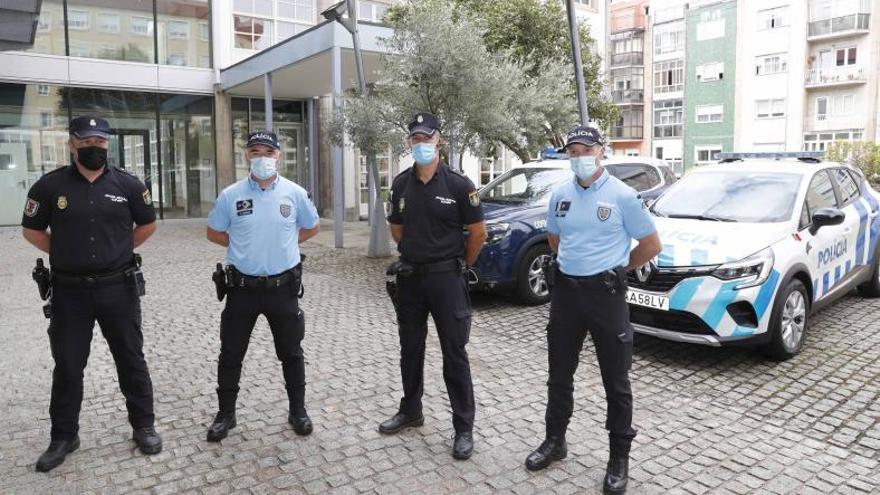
92,157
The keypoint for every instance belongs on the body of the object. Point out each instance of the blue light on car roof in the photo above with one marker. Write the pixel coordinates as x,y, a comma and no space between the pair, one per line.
553,154
771,155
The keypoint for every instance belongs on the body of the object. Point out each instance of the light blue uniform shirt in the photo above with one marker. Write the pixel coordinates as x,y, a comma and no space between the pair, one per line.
263,226
596,225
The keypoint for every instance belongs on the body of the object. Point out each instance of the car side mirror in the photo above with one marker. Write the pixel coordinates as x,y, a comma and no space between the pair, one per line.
824,217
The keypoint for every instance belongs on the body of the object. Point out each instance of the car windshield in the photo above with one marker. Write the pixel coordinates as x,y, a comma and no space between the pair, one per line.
731,196
525,186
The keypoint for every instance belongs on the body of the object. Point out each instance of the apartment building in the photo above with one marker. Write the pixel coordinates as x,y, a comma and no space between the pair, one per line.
626,64
666,28
710,80
771,59
762,76
842,72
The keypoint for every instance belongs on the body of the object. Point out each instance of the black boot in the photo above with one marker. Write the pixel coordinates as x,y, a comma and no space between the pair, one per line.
301,422
617,474
148,441
401,421
223,422
552,449
463,446
55,454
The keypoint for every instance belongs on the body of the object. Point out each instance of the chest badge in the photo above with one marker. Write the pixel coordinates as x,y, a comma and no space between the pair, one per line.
604,213
562,208
285,210
244,207
62,202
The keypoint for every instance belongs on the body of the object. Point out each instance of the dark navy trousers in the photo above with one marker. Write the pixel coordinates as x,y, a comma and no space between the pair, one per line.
445,297
280,306
579,306
117,309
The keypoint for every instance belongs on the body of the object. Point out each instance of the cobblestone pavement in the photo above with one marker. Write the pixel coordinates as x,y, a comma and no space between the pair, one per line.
710,420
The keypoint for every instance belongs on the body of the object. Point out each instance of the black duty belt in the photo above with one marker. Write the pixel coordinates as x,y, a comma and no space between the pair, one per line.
613,279
90,280
597,276
243,281
453,265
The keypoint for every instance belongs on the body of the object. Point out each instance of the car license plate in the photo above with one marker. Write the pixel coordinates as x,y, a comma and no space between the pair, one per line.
647,300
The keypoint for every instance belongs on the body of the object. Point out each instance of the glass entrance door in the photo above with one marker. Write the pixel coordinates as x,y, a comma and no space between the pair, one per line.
13,182
383,163
128,151
293,150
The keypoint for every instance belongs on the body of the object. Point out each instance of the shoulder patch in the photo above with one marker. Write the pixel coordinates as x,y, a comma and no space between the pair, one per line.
474,198
31,207
148,200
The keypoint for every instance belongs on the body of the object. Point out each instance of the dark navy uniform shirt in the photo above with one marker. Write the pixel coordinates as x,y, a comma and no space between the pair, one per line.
91,223
433,215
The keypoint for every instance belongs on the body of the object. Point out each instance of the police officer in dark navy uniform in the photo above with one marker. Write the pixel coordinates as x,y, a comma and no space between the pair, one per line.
430,207
262,219
592,222
82,215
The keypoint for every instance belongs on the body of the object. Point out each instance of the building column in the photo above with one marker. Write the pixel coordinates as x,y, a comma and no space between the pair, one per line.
312,140
267,99
336,154
224,139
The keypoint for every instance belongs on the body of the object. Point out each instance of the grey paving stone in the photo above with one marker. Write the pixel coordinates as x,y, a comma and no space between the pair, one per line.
709,420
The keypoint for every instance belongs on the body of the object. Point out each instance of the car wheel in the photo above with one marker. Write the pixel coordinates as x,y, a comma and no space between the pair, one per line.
871,288
788,323
531,283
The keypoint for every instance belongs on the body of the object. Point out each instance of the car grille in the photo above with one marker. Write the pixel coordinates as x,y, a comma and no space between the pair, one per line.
677,321
663,280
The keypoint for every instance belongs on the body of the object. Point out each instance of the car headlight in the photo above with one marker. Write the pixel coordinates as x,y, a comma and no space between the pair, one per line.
751,271
496,231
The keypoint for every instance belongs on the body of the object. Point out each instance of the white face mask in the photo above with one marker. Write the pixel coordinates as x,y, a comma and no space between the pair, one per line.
583,166
263,167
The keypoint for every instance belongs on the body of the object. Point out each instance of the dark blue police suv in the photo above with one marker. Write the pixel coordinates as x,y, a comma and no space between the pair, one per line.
515,207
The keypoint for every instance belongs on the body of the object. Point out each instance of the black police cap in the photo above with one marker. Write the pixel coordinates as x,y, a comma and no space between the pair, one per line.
88,126
267,138
586,135
424,123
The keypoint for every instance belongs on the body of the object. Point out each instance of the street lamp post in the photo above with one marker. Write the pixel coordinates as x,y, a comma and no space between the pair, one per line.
378,246
578,64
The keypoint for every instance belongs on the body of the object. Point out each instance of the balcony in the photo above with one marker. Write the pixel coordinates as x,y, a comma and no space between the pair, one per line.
626,132
630,96
834,122
627,18
835,76
835,27
627,58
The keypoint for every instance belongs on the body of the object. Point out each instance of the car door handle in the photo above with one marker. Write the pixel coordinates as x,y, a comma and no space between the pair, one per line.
847,230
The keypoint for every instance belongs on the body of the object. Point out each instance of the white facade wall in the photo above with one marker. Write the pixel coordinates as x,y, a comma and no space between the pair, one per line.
783,89
665,17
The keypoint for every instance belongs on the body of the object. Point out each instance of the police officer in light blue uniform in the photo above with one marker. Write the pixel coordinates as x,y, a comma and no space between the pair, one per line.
262,219
592,222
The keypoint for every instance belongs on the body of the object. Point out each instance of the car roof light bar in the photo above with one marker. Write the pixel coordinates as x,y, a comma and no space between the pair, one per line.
771,155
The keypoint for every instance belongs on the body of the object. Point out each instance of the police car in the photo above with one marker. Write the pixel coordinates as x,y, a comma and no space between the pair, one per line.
515,208
752,246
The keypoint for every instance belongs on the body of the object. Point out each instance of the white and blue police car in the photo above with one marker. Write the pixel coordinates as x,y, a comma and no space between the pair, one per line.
752,246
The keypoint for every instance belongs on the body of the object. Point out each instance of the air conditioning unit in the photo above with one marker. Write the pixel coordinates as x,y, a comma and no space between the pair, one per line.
18,23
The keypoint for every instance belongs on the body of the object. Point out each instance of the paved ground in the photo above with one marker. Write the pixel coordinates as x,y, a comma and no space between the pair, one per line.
710,421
